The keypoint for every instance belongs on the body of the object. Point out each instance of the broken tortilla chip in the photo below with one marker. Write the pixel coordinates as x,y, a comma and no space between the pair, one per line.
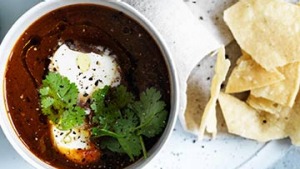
262,104
269,30
245,121
283,92
248,75
209,119
293,128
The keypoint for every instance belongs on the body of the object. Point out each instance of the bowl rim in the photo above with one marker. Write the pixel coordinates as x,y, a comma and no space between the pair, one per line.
37,12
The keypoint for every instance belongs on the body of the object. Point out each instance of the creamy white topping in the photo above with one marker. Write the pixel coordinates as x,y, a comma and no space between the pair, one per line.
71,139
89,71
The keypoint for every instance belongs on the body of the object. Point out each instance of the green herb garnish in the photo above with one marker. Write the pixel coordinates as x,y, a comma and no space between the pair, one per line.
59,102
118,118
124,122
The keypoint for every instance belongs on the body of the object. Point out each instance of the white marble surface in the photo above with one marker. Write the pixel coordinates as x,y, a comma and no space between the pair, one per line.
175,157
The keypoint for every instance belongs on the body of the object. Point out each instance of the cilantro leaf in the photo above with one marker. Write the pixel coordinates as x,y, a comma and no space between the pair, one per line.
127,123
150,110
112,144
98,99
47,102
124,121
71,118
61,87
131,145
120,98
155,126
59,102
108,118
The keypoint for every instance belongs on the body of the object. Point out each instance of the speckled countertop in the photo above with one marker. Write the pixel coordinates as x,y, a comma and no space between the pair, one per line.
184,156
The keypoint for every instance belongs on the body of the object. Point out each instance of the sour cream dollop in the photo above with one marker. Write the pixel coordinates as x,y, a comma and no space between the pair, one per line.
89,71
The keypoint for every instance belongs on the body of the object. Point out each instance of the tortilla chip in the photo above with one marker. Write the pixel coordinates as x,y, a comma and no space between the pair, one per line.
269,30
248,75
243,120
284,92
209,119
262,104
293,128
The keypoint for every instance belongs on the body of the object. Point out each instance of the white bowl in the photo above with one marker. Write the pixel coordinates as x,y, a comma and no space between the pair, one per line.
34,14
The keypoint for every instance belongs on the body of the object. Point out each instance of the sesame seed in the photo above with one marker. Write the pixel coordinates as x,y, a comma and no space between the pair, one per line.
97,82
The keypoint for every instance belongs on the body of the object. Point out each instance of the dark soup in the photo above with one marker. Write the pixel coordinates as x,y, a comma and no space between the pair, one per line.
87,87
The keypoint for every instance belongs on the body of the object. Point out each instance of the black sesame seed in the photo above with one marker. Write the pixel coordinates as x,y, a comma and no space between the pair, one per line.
97,82
91,78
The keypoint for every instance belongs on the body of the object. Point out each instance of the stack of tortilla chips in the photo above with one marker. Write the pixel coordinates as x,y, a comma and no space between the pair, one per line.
268,32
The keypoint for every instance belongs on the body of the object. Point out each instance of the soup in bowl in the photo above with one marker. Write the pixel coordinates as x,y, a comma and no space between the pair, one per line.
86,85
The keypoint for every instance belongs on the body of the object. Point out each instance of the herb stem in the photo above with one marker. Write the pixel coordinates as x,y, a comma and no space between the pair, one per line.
109,133
145,123
143,147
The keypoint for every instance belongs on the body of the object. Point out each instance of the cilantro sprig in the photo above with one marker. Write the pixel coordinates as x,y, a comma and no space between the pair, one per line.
119,119
59,102
125,121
